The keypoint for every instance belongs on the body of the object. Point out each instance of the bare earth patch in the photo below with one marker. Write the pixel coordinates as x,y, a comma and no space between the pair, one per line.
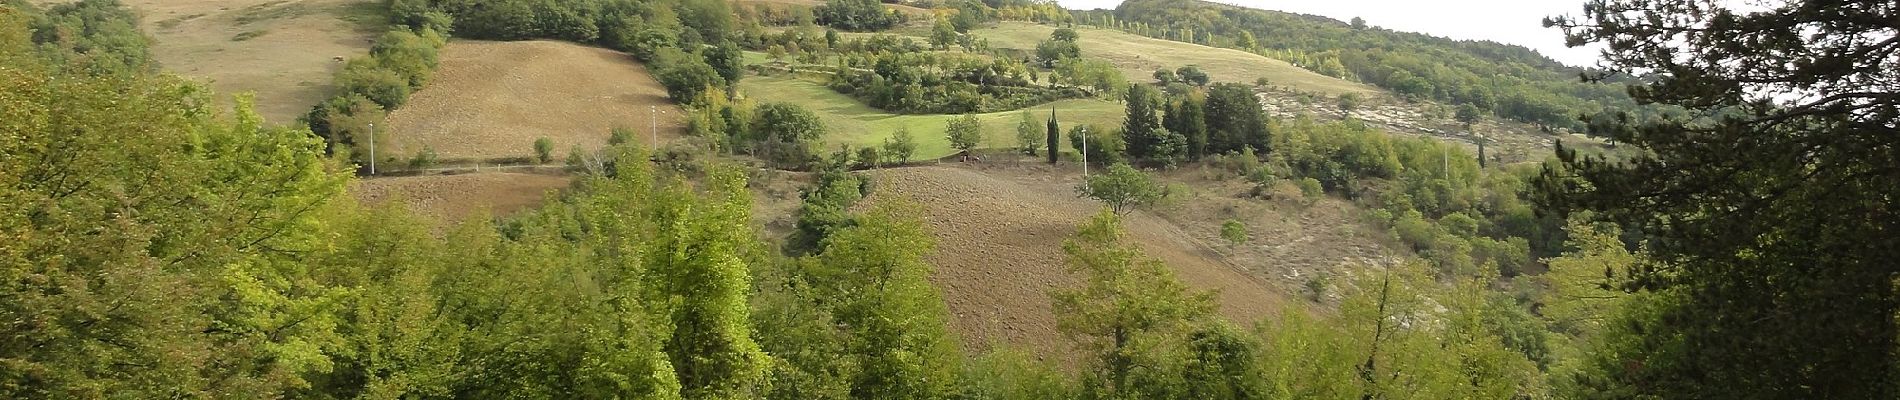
999,252
282,50
493,99
452,198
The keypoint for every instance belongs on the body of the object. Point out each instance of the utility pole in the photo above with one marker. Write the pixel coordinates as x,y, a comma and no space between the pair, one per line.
1085,152
372,149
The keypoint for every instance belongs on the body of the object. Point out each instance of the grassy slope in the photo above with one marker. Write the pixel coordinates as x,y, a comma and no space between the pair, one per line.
280,50
853,123
1138,57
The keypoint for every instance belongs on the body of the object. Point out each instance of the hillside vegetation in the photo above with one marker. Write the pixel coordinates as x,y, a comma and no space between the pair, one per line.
1215,240
1138,57
854,124
1509,81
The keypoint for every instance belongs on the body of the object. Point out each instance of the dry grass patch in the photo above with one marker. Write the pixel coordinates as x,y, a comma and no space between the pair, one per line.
281,50
493,99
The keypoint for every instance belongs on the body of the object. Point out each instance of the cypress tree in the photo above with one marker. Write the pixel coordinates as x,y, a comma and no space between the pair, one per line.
1055,134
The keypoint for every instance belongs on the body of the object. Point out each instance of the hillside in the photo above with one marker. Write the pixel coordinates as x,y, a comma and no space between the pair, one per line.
284,51
493,99
1138,57
1511,82
1000,231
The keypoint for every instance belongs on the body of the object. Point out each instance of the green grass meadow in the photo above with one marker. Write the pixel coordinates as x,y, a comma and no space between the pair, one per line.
1138,56
850,122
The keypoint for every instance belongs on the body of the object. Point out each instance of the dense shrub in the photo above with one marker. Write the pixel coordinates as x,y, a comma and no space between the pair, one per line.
857,15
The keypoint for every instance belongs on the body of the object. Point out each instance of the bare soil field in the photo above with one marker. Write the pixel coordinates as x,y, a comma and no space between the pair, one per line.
452,198
282,50
1000,233
493,99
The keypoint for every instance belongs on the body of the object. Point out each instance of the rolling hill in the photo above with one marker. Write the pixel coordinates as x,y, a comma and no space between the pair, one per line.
1139,56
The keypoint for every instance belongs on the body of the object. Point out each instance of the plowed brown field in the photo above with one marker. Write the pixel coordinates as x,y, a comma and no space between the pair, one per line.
999,252
451,198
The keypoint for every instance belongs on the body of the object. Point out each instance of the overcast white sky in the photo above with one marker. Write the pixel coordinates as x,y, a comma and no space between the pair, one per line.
1518,22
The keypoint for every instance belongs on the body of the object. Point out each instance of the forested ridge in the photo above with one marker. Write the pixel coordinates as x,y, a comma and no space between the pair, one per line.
1506,80
155,246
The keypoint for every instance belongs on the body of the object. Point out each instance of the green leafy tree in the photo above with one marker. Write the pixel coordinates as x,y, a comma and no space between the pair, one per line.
900,146
1053,52
1235,120
1064,35
123,275
856,15
1223,363
1771,211
870,157
1192,75
543,150
1246,41
1127,303
728,60
1187,116
685,75
1164,76
785,132
1102,148
942,35
1093,73
1234,231
368,78
1468,114
1029,136
874,276
696,287
1123,188
964,133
